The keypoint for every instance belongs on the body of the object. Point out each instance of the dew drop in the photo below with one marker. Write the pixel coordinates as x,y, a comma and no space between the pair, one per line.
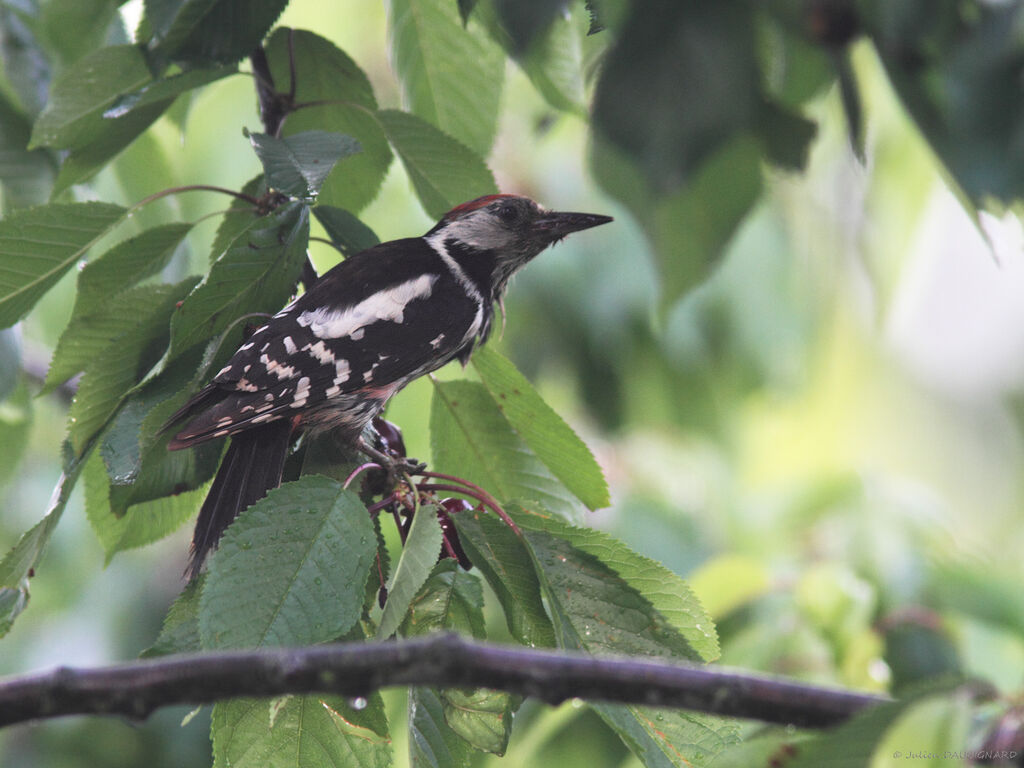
358,702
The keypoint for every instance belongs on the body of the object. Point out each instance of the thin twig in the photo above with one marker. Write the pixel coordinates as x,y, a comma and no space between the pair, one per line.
137,689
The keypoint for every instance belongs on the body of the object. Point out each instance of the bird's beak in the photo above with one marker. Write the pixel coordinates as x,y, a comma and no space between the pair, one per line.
555,225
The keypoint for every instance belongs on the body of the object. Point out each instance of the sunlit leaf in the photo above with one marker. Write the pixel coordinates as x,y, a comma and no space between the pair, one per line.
419,554
549,437
444,172
451,74
38,245
298,165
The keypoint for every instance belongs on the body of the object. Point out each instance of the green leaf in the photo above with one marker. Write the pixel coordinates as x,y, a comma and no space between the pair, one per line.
419,554
665,738
667,592
73,116
549,437
180,630
298,165
257,273
10,361
443,172
432,743
237,219
451,74
165,88
143,524
38,245
345,231
114,135
450,599
527,20
73,28
502,558
290,570
26,175
472,439
481,716
596,610
134,447
212,30
555,65
939,726
132,350
96,317
15,426
321,731
344,103
20,562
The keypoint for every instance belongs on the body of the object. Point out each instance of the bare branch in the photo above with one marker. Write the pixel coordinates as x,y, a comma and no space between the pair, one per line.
136,689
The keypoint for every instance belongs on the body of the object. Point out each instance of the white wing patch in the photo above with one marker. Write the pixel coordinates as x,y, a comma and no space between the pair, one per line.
389,306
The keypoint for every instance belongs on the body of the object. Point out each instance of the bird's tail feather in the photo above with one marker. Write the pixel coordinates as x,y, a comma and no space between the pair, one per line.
252,466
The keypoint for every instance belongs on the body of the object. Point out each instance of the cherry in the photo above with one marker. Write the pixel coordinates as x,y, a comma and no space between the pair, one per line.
447,507
390,437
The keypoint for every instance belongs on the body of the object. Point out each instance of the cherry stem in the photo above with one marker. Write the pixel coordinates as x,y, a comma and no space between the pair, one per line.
358,471
453,479
448,548
193,188
377,506
484,499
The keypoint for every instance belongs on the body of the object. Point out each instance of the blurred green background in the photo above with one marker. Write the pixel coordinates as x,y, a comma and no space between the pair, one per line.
823,437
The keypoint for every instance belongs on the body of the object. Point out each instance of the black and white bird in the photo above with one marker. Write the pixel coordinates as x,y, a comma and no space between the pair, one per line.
333,357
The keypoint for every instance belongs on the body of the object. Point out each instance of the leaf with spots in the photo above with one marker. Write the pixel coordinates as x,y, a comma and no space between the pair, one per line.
291,569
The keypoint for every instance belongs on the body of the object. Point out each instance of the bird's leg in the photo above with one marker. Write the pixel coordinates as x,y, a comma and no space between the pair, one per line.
395,466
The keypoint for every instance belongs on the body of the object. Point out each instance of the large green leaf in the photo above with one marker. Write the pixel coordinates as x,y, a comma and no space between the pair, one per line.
165,88
298,165
144,524
97,318
419,554
180,630
73,116
290,570
450,599
257,273
451,74
549,437
210,30
667,592
345,231
38,245
443,172
15,426
26,175
472,439
502,558
341,100
481,716
299,731
74,28
139,330
665,738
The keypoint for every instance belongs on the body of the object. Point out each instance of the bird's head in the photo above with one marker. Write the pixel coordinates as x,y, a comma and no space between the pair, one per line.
493,237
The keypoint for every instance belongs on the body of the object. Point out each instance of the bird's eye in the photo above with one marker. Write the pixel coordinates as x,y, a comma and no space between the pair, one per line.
508,212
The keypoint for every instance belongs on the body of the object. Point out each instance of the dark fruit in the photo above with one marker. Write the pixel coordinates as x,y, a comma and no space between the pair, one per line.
390,437
452,546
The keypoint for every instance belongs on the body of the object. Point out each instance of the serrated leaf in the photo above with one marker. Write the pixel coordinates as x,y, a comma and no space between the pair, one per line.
298,165
212,30
667,592
237,219
180,630
96,317
130,352
481,716
344,103
443,172
432,743
290,570
114,135
345,230
503,560
73,116
596,610
549,437
166,88
257,273
451,74
38,245
450,599
419,554
322,731
472,439
134,447
665,738
143,524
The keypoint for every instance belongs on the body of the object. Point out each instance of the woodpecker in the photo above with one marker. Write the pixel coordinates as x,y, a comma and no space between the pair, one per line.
332,358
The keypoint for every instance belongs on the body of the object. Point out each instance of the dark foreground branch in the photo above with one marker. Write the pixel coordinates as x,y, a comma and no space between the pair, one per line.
137,689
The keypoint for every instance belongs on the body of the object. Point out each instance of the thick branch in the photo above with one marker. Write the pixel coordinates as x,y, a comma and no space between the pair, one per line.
137,689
